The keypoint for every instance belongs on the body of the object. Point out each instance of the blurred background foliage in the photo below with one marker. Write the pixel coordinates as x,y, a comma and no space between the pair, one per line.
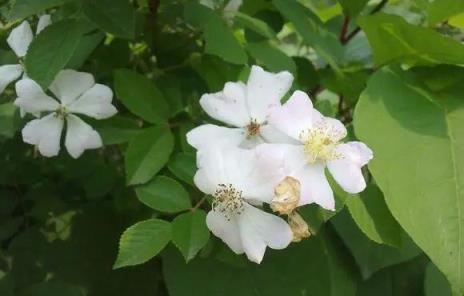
398,62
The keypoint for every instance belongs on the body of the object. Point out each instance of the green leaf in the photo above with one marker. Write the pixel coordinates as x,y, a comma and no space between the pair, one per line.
183,166
84,49
53,288
255,25
51,50
220,40
435,283
142,241
316,266
438,11
371,214
370,256
116,17
189,233
147,153
140,96
418,163
9,122
311,29
353,7
164,194
271,58
117,129
393,40
25,8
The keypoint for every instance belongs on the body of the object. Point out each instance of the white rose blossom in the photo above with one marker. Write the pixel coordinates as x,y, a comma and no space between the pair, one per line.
318,146
77,93
19,40
244,107
238,180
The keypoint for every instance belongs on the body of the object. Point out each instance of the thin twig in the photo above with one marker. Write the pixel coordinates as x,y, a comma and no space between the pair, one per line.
198,204
346,23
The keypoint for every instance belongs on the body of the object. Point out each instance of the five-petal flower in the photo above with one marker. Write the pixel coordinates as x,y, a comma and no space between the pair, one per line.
238,179
78,93
245,108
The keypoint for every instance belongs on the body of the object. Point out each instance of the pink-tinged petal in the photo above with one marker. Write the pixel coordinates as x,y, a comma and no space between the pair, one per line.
259,230
8,74
346,169
295,117
209,135
80,136
314,186
32,99
265,89
20,38
226,229
70,84
45,133
228,106
95,102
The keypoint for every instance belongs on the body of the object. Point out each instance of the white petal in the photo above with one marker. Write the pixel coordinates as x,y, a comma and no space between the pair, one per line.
80,136
226,230
209,135
8,74
272,135
259,229
45,133
44,21
20,38
96,103
294,117
265,89
32,99
314,186
346,170
228,106
69,85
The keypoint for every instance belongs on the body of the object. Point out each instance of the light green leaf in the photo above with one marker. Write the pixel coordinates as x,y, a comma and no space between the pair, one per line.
271,58
372,216
51,50
189,233
116,17
142,241
147,153
393,40
183,166
140,96
369,255
164,194
435,283
438,11
255,25
25,8
220,40
418,163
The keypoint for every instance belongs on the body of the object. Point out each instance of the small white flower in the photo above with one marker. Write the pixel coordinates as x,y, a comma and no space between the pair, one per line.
237,179
19,40
245,108
77,93
318,146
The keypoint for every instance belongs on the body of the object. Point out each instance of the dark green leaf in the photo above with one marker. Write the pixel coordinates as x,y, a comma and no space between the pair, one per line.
271,58
25,8
183,166
189,233
353,7
435,283
254,24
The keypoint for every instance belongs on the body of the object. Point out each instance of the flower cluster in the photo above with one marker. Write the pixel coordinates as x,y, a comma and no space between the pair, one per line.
76,93
270,153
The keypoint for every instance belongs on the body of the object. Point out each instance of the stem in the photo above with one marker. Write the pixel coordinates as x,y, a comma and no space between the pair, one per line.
356,31
346,23
198,204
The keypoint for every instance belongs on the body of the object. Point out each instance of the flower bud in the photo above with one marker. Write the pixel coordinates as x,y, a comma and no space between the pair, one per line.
299,227
286,196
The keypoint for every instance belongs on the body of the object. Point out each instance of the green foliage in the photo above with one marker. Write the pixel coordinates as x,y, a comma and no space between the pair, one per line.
391,71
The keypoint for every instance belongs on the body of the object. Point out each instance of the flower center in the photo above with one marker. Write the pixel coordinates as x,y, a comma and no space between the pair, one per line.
253,128
228,200
320,142
62,112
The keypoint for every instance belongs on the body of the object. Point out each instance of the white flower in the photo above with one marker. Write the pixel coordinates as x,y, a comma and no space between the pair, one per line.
19,40
237,179
245,108
319,146
77,93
